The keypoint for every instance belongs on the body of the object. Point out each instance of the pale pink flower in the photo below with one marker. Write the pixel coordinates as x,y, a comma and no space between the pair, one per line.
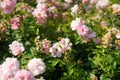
84,1
55,50
68,1
36,66
46,44
41,13
116,7
52,9
74,9
0,6
102,4
65,44
2,75
16,48
76,23
117,35
41,1
41,20
88,36
42,7
10,66
24,75
8,6
40,10
82,30
92,2
66,5
3,29
1,70
15,23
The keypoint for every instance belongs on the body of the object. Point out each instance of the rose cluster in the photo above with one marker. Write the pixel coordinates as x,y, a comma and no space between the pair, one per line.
79,26
9,69
60,47
8,6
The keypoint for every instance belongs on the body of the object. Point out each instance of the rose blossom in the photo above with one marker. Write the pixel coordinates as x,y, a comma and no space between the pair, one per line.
8,6
55,50
65,44
93,2
0,6
1,73
16,48
41,1
10,66
46,45
74,9
117,35
40,10
41,13
76,23
102,4
36,66
23,75
84,1
82,30
15,23
115,6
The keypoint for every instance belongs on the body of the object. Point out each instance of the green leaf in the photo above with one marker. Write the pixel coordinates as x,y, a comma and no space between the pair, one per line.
54,63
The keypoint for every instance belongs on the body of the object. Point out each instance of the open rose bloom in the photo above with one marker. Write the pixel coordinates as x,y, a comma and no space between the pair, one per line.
9,68
36,66
8,6
24,75
15,23
16,48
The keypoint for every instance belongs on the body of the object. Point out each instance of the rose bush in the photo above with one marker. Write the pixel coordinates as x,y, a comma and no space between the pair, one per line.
59,39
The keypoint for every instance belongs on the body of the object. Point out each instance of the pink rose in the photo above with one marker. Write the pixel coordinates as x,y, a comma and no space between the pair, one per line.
23,75
46,45
84,1
93,2
16,48
55,50
8,6
41,20
74,9
41,1
41,13
15,23
76,23
36,66
102,4
65,44
10,66
82,30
